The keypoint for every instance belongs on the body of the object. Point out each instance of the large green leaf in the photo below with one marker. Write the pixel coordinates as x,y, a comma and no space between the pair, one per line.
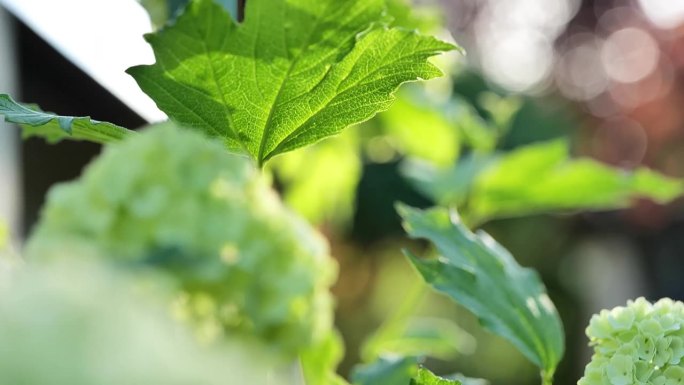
542,177
477,272
294,72
426,377
534,179
54,128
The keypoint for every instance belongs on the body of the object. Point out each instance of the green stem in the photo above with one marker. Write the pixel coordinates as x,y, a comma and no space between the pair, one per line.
547,377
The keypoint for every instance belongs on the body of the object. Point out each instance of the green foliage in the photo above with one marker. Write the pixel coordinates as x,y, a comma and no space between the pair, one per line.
641,343
481,275
306,173
439,139
543,177
294,72
162,11
405,334
4,235
319,362
386,371
172,200
80,324
425,377
55,128
538,178
406,14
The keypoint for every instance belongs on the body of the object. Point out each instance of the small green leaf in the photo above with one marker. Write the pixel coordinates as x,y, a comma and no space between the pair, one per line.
481,275
426,377
386,371
294,72
54,128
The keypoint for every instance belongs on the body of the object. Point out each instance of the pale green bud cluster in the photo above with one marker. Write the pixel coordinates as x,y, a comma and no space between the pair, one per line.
640,344
174,200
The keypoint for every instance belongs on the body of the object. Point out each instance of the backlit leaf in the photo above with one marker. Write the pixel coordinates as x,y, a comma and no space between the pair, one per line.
294,72
55,128
543,178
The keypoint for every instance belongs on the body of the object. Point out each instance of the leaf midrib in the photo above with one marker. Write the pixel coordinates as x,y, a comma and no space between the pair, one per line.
274,104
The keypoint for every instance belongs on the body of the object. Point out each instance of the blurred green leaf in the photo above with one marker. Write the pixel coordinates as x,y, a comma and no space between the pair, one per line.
481,275
4,235
542,178
426,377
162,11
446,185
328,65
158,10
423,337
54,128
501,109
386,371
478,134
424,18
422,131
305,174
320,362
467,380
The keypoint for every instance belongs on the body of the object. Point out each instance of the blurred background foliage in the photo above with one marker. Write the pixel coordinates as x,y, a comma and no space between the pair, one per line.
580,85
509,135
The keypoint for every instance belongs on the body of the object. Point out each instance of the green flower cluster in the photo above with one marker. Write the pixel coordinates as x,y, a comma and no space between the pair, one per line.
640,344
173,200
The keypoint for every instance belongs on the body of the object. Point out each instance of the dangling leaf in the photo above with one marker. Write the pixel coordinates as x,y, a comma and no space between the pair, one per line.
54,128
294,72
481,275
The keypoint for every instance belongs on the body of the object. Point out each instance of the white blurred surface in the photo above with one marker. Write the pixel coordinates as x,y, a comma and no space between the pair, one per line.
102,37
9,141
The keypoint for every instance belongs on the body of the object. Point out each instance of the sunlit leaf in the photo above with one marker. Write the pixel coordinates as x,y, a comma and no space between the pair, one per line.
426,377
543,177
294,72
478,273
55,128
